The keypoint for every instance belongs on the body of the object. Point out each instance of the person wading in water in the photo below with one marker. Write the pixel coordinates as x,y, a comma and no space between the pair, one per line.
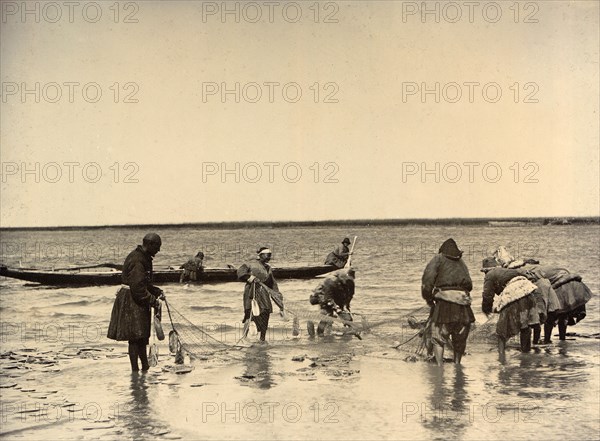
446,286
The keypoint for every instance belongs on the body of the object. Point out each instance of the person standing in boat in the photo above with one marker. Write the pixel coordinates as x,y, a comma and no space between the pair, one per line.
192,269
515,302
252,273
130,319
339,256
446,287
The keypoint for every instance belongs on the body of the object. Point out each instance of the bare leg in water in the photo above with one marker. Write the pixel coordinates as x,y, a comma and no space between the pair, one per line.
459,342
438,351
143,354
137,349
502,349
133,355
525,339
537,332
562,328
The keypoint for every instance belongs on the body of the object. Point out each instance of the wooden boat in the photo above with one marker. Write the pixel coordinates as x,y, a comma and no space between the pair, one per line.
99,276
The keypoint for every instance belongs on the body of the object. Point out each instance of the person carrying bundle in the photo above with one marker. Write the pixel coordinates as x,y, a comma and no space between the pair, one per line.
255,273
515,302
334,295
446,287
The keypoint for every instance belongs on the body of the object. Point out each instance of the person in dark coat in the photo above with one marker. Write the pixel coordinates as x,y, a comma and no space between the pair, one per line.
334,295
446,287
131,319
192,269
516,303
253,272
339,256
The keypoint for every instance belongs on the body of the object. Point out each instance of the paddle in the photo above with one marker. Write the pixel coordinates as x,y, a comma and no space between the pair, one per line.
348,265
349,261
99,265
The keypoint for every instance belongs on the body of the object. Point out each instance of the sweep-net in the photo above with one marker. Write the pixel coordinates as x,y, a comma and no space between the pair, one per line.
186,336
415,335
412,335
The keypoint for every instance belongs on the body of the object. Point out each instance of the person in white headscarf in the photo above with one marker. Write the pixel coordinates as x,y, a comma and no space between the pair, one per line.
252,273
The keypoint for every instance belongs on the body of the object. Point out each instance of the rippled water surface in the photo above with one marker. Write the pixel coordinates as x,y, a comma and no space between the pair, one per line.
61,378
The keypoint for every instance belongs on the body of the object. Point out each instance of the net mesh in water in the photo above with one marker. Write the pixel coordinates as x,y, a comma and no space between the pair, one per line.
191,338
413,337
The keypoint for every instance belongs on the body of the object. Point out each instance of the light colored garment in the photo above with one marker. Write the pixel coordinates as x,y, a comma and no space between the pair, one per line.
516,289
454,296
506,260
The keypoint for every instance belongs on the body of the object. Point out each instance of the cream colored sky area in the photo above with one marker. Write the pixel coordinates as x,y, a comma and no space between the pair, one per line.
165,112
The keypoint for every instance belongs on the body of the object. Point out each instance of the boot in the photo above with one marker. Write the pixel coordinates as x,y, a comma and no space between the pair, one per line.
525,338
133,356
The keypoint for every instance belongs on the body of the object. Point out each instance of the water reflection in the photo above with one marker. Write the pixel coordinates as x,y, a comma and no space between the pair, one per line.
548,373
258,368
446,414
136,414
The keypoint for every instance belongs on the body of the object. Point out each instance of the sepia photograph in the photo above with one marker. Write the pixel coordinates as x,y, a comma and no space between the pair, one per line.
299,220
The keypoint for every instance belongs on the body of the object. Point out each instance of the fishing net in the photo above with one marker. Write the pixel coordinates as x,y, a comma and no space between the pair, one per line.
414,337
186,336
344,322
410,332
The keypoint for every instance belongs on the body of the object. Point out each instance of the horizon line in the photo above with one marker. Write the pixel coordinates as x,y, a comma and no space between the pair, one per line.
316,223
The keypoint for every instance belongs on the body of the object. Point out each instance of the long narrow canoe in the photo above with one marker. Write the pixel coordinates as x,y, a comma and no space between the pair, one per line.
113,277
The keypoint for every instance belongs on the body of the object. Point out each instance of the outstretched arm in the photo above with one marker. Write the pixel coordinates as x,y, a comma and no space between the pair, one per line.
488,294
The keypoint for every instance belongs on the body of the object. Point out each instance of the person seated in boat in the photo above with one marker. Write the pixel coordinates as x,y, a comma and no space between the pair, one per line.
571,297
339,256
513,296
130,319
192,269
333,295
446,287
257,273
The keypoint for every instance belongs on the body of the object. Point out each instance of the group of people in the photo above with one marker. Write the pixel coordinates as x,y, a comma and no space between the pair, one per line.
333,294
131,314
526,296
193,268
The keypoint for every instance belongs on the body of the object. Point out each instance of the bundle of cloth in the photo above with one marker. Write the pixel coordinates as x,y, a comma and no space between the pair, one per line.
560,296
516,300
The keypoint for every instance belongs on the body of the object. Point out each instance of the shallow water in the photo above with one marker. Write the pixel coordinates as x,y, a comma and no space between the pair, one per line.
75,383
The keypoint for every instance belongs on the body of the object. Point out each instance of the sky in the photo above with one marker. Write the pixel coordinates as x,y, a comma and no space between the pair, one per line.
187,111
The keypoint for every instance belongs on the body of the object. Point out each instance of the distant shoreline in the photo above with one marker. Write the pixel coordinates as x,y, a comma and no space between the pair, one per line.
498,222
